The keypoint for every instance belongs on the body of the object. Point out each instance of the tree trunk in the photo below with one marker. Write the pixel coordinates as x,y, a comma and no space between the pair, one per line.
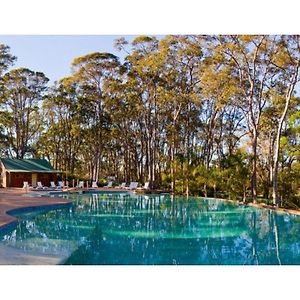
205,190
276,153
278,136
275,167
172,170
254,167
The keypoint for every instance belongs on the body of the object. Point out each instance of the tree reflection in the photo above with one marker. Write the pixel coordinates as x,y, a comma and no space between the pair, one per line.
159,229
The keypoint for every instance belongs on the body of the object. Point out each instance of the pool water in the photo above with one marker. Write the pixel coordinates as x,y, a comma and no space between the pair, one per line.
129,229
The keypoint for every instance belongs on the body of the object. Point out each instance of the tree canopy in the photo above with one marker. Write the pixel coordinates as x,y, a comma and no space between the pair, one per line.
210,115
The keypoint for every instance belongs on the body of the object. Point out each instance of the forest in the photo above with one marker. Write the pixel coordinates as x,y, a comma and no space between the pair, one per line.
216,116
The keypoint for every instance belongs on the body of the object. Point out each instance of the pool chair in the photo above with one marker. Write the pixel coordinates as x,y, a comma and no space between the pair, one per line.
94,185
26,185
145,187
109,185
122,186
80,185
60,185
40,186
133,185
53,185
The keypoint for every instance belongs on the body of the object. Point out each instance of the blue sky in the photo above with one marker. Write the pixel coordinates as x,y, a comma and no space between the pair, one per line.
53,54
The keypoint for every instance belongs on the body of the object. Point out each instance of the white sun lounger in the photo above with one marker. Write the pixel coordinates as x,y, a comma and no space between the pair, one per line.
109,185
122,186
53,185
94,185
133,185
40,186
145,187
26,185
60,185
80,185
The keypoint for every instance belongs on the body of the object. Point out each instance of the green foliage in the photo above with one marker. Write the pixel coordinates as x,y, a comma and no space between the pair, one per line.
22,92
289,182
236,175
6,59
190,114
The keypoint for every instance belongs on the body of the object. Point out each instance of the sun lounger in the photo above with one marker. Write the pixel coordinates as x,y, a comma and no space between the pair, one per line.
80,185
109,185
40,186
60,185
26,185
53,185
145,187
133,185
122,186
94,185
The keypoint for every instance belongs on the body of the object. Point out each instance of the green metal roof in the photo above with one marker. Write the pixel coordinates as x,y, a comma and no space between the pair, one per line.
28,165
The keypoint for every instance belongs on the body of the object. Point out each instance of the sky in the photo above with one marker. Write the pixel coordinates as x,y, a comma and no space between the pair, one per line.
53,54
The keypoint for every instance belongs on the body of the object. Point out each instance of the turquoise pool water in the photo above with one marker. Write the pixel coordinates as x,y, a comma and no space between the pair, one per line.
153,230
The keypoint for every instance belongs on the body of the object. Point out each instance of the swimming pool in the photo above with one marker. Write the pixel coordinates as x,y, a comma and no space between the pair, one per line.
131,229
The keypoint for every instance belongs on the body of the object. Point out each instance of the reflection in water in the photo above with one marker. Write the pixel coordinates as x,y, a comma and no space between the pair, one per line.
158,229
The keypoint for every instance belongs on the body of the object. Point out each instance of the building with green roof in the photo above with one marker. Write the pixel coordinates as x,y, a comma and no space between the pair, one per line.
15,171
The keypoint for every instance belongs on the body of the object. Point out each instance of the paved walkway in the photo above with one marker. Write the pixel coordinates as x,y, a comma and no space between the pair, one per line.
14,198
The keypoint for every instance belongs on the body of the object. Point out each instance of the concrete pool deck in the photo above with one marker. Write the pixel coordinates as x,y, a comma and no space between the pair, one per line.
16,198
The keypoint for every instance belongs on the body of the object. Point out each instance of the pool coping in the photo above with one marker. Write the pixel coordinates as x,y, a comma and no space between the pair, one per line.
11,201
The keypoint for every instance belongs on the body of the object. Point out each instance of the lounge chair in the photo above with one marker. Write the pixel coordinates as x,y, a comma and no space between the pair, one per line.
122,186
80,185
94,185
133,185
145,187
26,185
60,185
109,185
40,186
53,185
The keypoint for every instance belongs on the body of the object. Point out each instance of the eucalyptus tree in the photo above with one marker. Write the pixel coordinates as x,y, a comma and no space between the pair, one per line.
287,62
23,92
62,135
221,120
250,58
91,71
127,145
6,60
291,136
180,100
144,69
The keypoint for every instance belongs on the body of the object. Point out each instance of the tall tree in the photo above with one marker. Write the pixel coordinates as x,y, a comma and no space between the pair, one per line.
287,60
180,99
250,57
91,71
23,91
6,60
145,67
62,135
